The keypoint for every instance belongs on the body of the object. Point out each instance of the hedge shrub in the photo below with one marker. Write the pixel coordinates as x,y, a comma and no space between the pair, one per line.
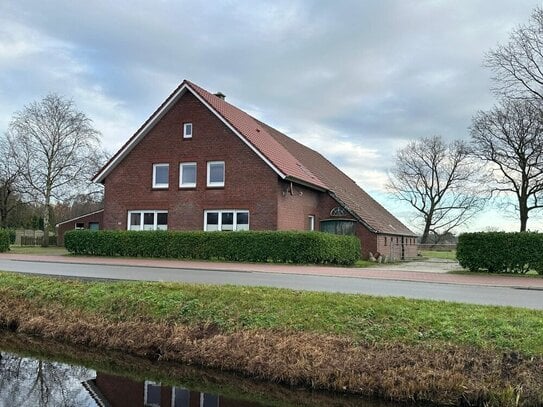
4,240
247,246
501,252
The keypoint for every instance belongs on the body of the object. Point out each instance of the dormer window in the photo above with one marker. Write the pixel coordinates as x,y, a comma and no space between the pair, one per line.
187,130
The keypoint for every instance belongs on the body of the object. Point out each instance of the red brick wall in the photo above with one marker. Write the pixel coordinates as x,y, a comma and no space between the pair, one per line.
391,246
85,219
249,182
294,205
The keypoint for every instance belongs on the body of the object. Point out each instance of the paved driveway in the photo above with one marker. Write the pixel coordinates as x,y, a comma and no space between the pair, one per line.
426,266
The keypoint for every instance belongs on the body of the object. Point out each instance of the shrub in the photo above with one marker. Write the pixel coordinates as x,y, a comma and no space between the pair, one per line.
12,236
501,252
249,246
4,240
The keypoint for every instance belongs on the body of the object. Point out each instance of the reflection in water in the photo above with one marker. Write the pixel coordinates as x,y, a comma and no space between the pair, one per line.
33,382
115,391
117,379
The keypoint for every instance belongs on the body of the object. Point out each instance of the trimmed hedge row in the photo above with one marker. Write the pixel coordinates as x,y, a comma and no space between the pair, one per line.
247,246
501,252
5,238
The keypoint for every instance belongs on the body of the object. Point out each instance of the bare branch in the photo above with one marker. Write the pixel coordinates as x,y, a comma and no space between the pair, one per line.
509,138
55,150
438,181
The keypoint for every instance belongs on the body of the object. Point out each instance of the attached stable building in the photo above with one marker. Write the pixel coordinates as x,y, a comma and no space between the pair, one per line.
200,163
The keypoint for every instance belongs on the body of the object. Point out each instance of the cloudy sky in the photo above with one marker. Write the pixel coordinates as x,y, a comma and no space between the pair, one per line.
353,79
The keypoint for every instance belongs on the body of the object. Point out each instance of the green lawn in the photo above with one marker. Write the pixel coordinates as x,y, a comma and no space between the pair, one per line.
230,308
434,254
38,250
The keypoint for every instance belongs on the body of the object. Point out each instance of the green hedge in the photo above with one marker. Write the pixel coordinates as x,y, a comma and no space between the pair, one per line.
501,252
12,236
4,240
249,246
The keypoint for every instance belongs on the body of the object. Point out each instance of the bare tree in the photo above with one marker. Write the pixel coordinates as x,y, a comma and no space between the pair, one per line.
518,65
509,138
9,176
438,180
56,151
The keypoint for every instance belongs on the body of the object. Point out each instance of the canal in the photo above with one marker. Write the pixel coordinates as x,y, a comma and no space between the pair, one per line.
35,372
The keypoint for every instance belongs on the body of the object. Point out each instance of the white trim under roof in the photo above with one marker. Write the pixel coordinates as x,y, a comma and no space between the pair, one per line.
158,115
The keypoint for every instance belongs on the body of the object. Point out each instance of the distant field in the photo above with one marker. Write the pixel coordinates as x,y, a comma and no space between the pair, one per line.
434,254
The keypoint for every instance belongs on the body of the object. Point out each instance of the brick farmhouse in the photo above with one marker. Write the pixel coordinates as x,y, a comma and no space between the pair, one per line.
200,163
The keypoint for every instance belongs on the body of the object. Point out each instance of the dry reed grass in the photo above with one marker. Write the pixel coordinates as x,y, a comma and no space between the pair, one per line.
447,375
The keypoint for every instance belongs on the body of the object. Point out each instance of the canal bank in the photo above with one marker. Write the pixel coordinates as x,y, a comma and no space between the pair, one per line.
394,349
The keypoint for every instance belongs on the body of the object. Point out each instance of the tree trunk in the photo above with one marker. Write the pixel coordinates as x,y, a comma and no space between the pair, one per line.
523,220
523,212
426,233
45,241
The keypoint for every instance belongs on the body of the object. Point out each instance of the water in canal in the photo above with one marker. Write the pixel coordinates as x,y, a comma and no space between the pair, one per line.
44,374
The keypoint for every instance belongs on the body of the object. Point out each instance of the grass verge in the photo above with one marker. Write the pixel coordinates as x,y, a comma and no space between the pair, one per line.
390,347
38,250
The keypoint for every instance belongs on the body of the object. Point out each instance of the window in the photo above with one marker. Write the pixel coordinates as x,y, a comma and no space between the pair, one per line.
209,400
225,220
160,175
151,397
338,227
94,225
187,175
311,222
187,130
147,220
215,174
80,225
180,397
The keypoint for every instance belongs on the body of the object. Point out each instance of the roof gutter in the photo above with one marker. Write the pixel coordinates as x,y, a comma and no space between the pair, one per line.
304,183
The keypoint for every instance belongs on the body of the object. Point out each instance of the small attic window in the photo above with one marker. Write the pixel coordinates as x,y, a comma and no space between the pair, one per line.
187,130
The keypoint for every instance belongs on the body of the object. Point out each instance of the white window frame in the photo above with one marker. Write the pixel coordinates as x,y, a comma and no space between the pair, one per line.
186,132
311,219
235,223
215,184
141,212
192,184
162,185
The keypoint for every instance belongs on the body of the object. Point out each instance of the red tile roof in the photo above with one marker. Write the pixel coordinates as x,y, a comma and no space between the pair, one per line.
290,159
259,137
302,163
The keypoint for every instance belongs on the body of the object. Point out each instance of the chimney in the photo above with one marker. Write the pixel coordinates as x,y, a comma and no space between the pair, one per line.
220,95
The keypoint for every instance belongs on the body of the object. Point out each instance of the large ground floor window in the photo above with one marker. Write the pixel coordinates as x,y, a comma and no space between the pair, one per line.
226,219
338,226
147,220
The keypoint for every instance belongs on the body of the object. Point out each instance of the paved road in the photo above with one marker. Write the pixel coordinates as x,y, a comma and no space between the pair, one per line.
529,298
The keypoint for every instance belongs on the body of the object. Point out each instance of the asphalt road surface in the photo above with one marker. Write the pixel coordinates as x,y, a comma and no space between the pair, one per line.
529,298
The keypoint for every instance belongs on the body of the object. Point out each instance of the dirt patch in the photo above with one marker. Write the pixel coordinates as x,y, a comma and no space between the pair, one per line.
446,375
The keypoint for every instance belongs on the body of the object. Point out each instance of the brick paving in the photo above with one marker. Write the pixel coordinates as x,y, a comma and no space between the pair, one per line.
415,271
